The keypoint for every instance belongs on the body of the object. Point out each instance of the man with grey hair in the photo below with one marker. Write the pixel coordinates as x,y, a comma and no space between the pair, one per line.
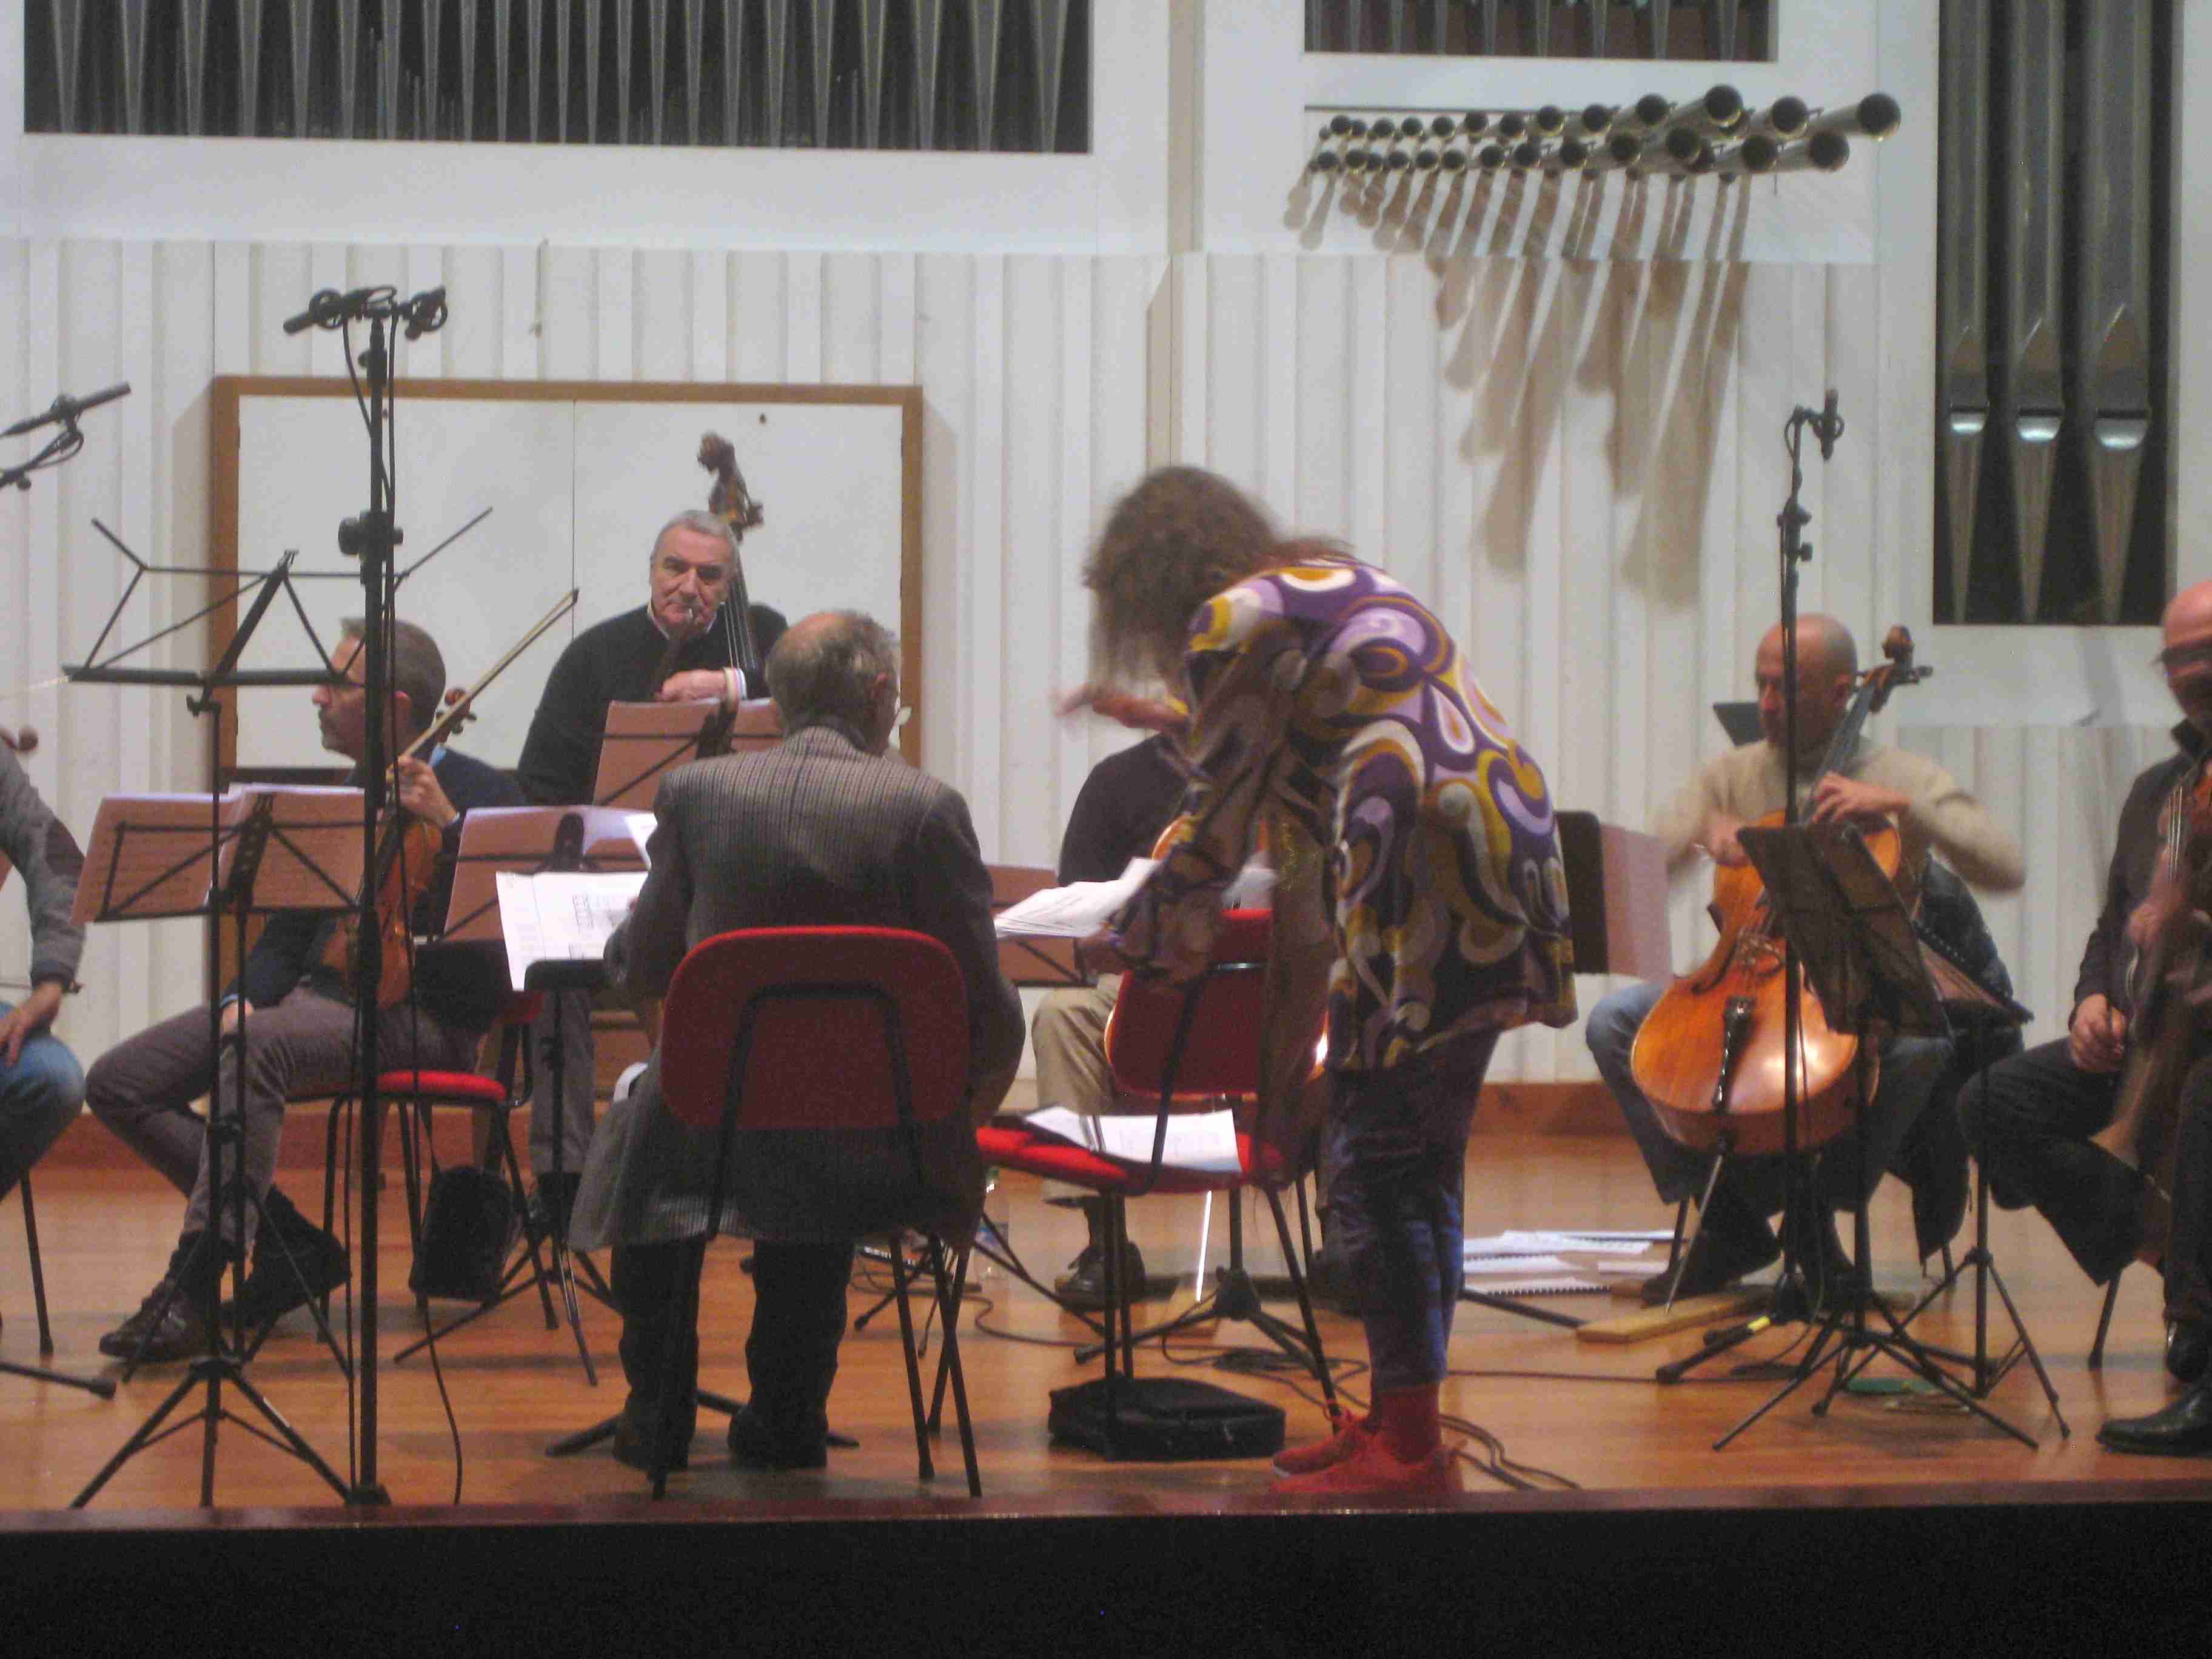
823,831
674,648
298,1010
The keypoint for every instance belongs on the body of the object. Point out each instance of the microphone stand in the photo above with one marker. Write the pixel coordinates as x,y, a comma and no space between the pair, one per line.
1791,1301
372,539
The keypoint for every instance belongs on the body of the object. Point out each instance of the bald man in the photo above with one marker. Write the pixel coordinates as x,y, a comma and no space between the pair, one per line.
2029,1118
1932,814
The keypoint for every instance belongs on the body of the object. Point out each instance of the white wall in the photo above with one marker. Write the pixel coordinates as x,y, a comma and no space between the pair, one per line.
1577,457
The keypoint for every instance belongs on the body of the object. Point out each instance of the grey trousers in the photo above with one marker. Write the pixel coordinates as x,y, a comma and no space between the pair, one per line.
144,1088
576,1104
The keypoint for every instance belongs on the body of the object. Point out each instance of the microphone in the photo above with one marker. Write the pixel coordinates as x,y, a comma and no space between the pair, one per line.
426,312
1828,427
66,408
323,308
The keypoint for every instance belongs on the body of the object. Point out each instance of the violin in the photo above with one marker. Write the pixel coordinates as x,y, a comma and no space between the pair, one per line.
1710,1055
408,848
2169,984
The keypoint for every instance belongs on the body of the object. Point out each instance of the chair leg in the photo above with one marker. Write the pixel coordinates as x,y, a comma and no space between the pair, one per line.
944,1354
513,1165
928,1470
684,1304
2096,1361
37,1267
948,1307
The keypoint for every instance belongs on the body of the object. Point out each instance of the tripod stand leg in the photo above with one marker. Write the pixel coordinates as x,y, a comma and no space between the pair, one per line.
99,1385
2027,1345
142,1437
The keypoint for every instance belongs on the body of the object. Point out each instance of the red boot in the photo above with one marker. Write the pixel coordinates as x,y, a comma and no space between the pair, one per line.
1373,1471
1351,1433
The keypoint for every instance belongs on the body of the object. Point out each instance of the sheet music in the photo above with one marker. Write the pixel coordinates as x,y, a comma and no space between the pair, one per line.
1075,911
641,826
1204,1141
1549,1243
562,916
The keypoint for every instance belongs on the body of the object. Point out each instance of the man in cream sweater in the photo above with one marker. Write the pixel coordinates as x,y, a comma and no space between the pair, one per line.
1933,813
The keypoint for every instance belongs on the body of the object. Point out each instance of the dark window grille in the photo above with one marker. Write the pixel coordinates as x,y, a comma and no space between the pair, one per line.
776,74
1723,31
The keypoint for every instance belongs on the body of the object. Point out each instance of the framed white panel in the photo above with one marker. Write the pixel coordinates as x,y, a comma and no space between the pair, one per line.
579,477
303,465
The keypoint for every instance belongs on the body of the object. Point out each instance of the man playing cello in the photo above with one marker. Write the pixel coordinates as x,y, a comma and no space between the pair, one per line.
1873,781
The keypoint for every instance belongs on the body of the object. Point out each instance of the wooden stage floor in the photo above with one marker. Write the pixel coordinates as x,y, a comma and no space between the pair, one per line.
1590,1415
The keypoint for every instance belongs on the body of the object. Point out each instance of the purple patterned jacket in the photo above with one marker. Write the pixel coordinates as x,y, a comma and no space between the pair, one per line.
1325,692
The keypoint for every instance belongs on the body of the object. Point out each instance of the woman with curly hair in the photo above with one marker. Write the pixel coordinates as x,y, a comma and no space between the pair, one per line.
1325,698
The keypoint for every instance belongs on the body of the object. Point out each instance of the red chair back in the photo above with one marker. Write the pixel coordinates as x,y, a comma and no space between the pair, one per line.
802,1028
1218,1019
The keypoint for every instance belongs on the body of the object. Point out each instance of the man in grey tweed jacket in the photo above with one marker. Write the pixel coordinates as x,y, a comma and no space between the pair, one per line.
824,829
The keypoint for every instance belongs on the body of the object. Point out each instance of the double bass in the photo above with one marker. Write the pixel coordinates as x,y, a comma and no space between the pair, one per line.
1709,1056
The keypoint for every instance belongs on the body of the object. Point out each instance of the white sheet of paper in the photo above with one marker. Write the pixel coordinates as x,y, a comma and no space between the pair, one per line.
562,916
1529,1242
1204,1141
641,826
1075,911
1500,1267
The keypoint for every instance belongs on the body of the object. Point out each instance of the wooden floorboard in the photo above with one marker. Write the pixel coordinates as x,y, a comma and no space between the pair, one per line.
1591,1415
1660,1536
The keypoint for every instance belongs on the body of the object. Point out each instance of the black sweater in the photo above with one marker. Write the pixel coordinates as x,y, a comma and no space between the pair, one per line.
613,661
1125,803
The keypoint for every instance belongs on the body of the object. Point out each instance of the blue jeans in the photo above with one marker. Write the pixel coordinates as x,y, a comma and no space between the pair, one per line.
1910,1067
1397,1160
38,1095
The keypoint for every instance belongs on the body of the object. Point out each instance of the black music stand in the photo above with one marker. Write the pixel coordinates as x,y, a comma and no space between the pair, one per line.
1977,1015
244,843
1849,930
532,840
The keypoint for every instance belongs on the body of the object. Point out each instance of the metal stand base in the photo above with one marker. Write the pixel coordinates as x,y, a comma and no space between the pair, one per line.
211,1371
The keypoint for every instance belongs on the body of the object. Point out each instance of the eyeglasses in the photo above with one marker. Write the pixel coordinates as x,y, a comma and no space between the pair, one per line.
2176,658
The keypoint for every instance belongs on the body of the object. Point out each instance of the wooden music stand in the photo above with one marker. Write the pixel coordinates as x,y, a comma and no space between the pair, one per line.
644,739
1032,960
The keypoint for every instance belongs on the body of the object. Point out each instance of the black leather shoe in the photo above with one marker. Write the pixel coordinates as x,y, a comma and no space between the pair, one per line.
2188,1346
1083,1285
2182,1430
1715,1260
754,1445
551,1200
289,1270
633,1442
168,1326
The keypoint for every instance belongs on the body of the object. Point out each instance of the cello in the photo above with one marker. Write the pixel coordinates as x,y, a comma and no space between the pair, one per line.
1709,1056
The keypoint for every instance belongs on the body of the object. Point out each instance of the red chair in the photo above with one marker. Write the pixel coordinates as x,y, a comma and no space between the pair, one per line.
1189,1048
494,1098
860,1033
